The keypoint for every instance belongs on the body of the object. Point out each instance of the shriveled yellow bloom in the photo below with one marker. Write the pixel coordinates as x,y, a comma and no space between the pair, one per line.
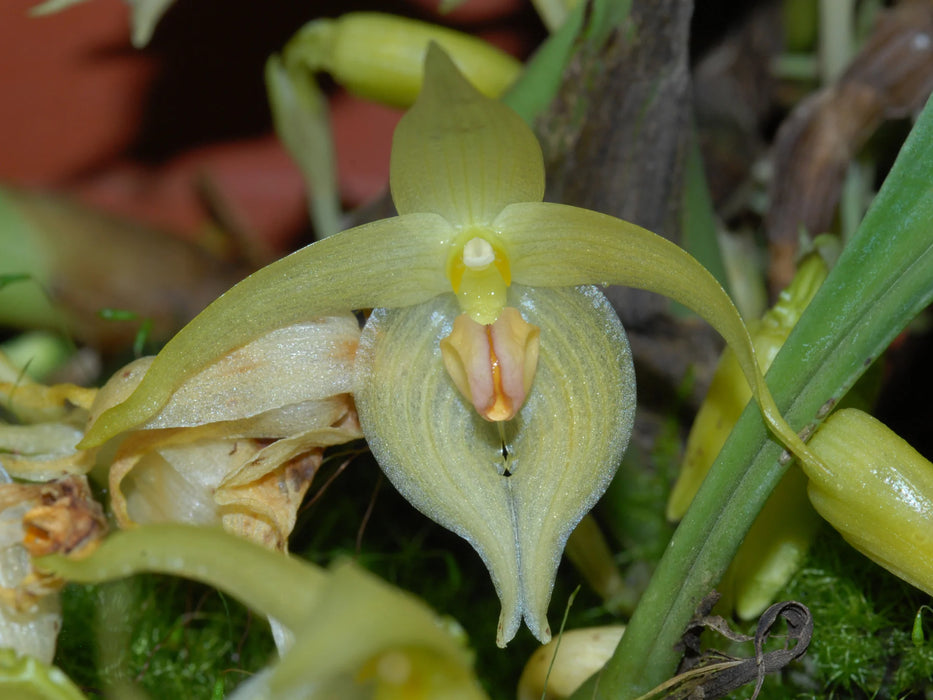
241,441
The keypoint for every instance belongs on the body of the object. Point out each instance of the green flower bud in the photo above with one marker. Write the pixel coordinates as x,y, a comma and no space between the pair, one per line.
878,495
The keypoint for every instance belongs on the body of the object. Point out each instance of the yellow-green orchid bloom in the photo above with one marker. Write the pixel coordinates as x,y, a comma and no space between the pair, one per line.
504,426
351,635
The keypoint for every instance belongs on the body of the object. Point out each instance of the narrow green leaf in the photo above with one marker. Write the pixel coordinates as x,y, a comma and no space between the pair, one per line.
109,314
13,278
883,278
302,123
590,21
538,85
142,336
699,218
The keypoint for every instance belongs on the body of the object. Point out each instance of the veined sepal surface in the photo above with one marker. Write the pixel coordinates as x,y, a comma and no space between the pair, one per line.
563,447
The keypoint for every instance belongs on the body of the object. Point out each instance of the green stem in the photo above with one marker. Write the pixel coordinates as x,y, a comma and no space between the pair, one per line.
699,553
837,41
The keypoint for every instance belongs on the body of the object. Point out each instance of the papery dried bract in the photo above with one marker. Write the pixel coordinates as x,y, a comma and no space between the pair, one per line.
59,516
29,623
41,446
239,443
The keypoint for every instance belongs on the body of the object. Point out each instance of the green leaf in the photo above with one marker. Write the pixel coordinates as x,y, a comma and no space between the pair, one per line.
883,278
591,22
302,123
13,278
110,314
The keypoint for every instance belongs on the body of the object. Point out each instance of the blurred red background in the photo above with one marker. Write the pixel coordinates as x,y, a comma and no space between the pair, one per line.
133,131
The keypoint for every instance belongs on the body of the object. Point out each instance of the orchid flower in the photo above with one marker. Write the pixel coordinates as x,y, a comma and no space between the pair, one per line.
496,392
351,635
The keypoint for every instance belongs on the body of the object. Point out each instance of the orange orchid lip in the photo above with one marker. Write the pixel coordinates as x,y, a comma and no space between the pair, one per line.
493,365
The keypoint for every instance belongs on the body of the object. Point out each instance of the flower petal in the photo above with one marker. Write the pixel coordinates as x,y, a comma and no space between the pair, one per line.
392,262
431,443
555,245
270,583
564,445
360,619
291,365
460,154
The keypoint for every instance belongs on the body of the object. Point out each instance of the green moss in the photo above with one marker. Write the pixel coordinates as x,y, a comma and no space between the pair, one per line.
172,637
862,643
